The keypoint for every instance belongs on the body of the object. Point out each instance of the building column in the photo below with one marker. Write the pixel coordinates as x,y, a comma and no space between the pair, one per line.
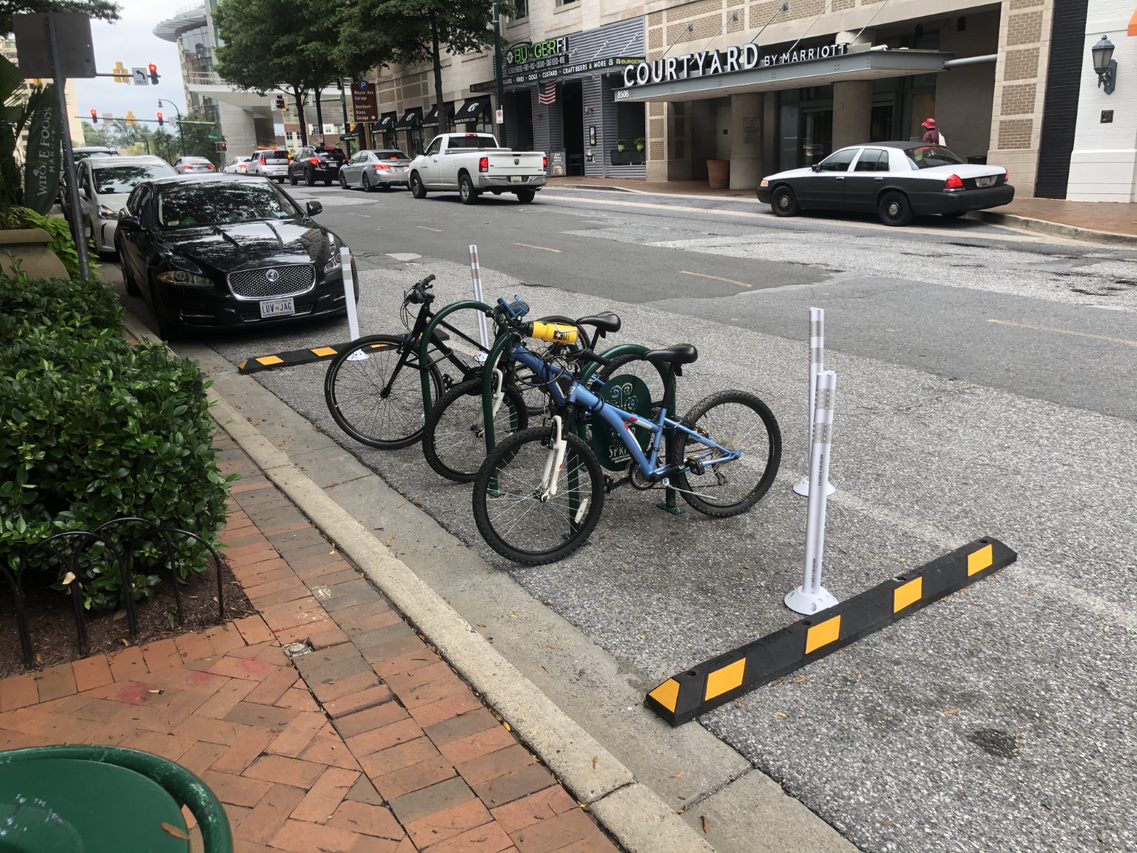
747,165
852,112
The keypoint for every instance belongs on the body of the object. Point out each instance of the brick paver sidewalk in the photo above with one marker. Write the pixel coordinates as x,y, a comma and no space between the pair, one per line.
369,742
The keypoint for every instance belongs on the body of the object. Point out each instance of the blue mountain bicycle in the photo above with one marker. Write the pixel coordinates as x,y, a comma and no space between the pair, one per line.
540,492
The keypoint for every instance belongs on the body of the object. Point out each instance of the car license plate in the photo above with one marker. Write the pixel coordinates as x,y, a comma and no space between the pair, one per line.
517,179
278,308
985,182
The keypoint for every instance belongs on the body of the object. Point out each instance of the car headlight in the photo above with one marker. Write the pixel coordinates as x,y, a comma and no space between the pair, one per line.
334,246
106,213
184,278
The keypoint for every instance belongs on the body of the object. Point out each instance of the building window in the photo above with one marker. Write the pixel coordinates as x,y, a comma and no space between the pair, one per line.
520,9
564,2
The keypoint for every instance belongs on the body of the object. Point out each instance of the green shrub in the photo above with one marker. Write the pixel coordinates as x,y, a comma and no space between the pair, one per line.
62,243
92,428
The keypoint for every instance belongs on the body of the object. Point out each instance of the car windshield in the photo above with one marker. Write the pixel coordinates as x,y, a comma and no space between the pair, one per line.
122,179
391,155
195,205
929,156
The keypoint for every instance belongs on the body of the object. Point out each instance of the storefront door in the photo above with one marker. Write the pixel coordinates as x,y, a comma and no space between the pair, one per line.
816,134
572,111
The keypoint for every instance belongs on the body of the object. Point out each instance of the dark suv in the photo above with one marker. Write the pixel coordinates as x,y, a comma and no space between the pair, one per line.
316,164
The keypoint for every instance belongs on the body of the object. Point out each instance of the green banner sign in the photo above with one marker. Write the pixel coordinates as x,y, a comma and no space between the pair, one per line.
44,158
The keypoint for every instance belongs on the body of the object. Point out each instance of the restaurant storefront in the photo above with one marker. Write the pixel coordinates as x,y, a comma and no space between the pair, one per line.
559,98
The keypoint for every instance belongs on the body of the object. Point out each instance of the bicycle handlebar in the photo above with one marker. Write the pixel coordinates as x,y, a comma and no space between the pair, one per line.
418,290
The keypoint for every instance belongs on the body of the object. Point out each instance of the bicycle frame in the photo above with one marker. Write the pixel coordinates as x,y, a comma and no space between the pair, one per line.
622,422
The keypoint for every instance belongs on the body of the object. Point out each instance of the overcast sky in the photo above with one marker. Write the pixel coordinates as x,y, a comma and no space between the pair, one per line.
132,42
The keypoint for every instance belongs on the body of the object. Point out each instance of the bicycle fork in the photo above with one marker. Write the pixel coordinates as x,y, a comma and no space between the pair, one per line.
553,462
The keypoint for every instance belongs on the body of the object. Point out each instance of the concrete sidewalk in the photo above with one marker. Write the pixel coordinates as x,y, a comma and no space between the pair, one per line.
1100,222
368,741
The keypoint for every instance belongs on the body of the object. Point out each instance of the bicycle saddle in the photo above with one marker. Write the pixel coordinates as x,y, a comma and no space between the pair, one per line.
677,354
603,323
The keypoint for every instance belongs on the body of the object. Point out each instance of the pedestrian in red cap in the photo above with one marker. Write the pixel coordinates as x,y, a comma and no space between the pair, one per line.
932,135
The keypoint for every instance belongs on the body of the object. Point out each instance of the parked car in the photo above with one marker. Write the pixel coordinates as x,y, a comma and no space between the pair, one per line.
223,251
473,163
270,164
384,169
193,165
239,166
898,180
104,184
79,155
313,164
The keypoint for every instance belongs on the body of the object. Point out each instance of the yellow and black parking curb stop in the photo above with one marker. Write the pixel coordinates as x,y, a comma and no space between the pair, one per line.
721,679
290,358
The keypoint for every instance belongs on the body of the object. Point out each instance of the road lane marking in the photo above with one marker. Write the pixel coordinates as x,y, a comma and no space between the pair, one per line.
539,248
717,278
365,215
428,228
1125,342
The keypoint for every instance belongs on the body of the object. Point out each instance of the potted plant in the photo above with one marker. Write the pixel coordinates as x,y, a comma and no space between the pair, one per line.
640,144
621,145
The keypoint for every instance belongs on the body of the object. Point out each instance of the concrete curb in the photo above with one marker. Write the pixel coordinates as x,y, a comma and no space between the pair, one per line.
744,199
1057,229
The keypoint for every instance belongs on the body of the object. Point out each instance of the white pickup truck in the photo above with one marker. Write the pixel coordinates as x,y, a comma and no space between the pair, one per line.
472,164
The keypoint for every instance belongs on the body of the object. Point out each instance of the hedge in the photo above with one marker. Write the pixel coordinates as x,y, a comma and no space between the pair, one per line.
93,428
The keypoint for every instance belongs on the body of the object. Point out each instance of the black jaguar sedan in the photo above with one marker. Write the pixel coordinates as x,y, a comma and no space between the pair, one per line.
226,251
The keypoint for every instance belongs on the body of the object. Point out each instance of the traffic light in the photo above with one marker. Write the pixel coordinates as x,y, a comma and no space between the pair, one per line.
220,146
94,116
161,120
280,102
153,74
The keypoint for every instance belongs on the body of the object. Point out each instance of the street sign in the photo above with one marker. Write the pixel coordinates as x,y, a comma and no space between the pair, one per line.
140,76
72,37
364,104
499,116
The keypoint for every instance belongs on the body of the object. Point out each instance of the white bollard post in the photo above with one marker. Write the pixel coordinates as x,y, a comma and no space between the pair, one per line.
349,298
816,367
811,596
476,275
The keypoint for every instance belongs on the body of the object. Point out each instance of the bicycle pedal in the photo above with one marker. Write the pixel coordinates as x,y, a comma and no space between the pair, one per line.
695,466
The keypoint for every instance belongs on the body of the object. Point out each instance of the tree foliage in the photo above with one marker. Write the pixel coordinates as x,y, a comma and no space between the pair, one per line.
163,142
102,10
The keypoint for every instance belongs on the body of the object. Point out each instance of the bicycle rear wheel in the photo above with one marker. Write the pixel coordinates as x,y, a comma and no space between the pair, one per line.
735,420
454,439
508,508
354,392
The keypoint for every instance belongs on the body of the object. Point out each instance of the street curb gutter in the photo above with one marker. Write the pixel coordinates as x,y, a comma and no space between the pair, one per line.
1057,229
634,814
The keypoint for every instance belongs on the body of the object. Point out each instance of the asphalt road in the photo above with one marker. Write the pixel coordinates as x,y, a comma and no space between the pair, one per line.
986,387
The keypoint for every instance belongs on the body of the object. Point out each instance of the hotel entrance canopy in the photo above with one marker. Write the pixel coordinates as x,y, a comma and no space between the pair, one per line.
784,71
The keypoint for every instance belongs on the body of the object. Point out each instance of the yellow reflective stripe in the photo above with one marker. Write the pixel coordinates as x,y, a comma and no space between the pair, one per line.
907,595
268,360
241,366
380,346
322,352
667,694
979,560
822,635
726,679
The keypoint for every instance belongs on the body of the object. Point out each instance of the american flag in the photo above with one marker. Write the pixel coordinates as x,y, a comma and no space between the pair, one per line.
547,96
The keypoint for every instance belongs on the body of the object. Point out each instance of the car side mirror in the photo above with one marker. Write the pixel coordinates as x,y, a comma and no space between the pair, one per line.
816,167
125,218
313,207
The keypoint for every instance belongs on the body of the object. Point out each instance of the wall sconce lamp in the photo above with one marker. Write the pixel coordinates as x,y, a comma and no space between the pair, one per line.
1104,64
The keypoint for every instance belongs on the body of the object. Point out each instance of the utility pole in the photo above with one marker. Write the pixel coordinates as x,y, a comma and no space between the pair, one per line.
343,104
497,73
181,133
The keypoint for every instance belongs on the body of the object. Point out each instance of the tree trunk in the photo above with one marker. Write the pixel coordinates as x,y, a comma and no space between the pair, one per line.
320,116
299,96
443,119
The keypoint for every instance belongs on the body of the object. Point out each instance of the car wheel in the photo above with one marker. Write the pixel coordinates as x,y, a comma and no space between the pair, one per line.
784,203
466,190
417,189
343,182
309,177
526,196
894,209
367,183
292,178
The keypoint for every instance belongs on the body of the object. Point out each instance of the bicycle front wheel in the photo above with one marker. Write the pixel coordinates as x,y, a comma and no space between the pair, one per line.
374,394
514,511
736,421
454,441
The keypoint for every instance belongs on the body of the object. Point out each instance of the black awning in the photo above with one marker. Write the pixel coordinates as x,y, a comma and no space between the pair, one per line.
385,123
411,118
431,118
472,110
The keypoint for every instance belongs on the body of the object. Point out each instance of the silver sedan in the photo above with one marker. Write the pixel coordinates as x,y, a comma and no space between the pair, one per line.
383,168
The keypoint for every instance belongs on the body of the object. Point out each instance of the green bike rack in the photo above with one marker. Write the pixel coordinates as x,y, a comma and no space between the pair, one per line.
428,336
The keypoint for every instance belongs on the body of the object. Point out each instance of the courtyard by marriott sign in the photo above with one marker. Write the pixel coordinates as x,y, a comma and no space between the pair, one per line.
707,63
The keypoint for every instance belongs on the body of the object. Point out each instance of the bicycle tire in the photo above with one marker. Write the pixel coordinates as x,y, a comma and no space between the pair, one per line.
451,417
567,532
695,493
352,389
